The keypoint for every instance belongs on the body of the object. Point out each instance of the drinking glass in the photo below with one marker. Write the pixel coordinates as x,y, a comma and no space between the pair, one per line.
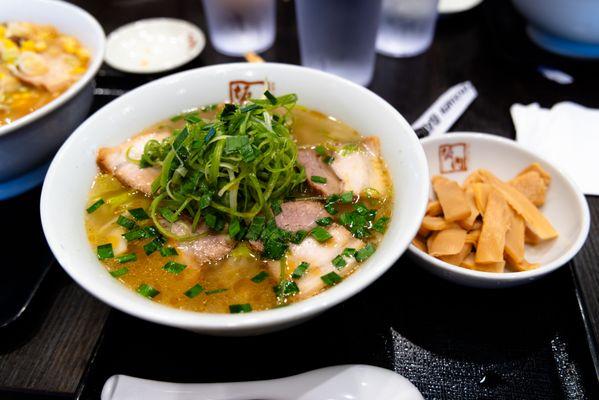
240,26
407,27
338,36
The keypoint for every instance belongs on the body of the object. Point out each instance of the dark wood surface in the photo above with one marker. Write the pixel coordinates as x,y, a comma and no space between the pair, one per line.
49,348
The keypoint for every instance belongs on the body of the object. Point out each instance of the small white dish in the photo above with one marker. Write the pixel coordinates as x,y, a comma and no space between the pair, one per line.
72,171
565,206
357,382
153,45
456,6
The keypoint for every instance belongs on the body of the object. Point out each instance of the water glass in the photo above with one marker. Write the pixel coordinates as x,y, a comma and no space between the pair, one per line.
338,36
240,26
407,27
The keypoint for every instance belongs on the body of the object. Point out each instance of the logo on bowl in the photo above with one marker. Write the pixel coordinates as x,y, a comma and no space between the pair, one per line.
453,157
241,91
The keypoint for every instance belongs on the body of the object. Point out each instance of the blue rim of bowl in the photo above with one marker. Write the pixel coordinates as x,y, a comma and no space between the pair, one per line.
562,46
21,184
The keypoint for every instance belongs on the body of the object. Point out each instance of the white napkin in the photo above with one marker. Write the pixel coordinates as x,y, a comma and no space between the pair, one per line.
567,134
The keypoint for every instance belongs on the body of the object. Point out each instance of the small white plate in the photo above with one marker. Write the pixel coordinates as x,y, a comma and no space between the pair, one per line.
458,155
456,6
153,45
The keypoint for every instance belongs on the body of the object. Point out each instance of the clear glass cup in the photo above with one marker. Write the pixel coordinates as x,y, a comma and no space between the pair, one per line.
237,27
407,27
338,36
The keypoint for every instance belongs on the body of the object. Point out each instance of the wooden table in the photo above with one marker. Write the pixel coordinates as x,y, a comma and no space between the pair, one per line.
47,353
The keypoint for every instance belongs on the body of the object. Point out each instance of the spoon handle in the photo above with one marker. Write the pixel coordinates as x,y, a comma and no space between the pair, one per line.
123,387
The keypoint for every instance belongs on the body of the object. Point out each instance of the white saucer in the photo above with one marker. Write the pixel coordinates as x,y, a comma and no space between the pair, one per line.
456,6
153,45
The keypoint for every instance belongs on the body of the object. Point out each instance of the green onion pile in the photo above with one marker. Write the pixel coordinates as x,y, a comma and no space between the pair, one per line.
227,170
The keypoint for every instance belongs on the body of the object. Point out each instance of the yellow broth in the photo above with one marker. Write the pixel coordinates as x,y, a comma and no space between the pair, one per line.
233,273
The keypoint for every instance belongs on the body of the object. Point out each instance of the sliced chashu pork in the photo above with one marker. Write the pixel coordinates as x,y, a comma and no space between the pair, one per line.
206,249
51,72
314,166
362,168
113,160
320,257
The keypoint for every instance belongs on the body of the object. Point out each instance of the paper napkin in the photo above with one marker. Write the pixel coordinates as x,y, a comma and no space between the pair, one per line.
567,135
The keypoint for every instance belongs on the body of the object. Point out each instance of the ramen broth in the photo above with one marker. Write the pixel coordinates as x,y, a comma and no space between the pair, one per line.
243,277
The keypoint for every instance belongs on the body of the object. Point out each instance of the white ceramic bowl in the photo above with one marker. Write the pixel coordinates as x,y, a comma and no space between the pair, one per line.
32,140
71,173
565,207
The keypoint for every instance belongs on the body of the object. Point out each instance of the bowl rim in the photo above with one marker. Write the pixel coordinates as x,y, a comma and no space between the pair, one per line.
217,323
76,87
513,276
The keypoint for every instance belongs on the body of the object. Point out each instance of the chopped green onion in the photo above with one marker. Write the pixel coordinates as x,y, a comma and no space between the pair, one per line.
256,228
318,179
168,251
328,160
125,222
270,97
339,262
174,267
119,272
321,234
215,291
300,270
135,235
348,252
299,237
381,224
331,209
194,291
169,215
125,258
152,246
147,291
139,214
275,206
331,279
261,276
104,251
324,221
365,252
95,206
234,228
320,150
347,197
240,308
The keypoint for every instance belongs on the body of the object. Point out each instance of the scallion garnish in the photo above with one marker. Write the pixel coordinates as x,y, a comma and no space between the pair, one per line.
234,227
326,221
347,197
339,262
139,214
300,270
365,252
331,209
215,291
348,252
260,277
321,234
331,279
105,251
147,290
320,150
168,251
95,206
174,267
125,222
298,237
194,291
119,272
169,215
271,98
135,235
255,229
152,246
318,179
125,258
240,308
275,206
380,225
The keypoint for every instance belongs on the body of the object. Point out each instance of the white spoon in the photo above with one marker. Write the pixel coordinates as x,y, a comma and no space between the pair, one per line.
343,382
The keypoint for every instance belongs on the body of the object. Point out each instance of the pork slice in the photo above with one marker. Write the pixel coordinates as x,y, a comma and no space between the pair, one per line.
206,249
314,166
300,215
113,160
319,256
51,72
362,168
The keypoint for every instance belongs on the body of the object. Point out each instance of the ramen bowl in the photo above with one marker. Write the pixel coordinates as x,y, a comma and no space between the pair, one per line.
30,141
457,155
71,174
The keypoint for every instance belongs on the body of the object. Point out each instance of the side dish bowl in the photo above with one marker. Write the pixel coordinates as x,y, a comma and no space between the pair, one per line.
565,207
68,181
32,140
